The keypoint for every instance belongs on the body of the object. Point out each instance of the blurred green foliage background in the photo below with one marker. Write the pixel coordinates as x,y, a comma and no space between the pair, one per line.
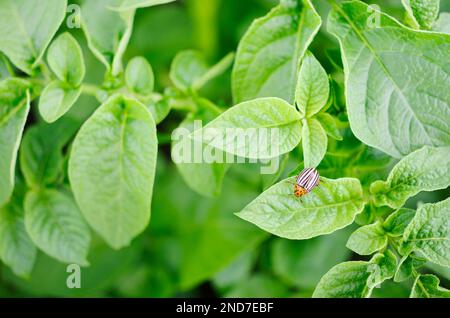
195,246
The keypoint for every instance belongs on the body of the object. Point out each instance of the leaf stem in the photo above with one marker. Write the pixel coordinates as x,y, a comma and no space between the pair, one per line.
211,106
204,103
90,89
45,71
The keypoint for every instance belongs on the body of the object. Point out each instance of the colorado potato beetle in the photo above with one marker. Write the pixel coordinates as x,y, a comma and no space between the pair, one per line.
306,181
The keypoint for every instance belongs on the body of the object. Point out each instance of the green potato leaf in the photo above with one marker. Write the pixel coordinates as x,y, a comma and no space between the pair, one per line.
139,76
26,29
356,279
368,239
268,56
66,60
313,88
107,32
56,225
14,108
421,13
396,223
329,207
262,128
406,267
404,270
16,248
345,280
187,66
396,80
41,152
5,67
426,169
314,142
56,100
203,177
443,271
429,233
159,109
112,169
427,286
382,267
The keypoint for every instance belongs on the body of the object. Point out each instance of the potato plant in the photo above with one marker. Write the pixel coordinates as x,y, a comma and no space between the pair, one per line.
88,148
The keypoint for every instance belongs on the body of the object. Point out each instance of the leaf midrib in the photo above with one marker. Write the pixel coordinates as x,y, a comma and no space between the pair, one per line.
259,85
15,110
342,203
55,217
360,168
286,123
123,125
12,221
294,59
383,67
404,183
422,287
429,239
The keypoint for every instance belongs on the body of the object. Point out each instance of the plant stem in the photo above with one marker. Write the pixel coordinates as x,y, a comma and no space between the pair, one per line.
90,89
212,107
204,103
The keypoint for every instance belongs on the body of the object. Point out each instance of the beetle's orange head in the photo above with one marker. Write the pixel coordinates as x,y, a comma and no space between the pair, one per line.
299,191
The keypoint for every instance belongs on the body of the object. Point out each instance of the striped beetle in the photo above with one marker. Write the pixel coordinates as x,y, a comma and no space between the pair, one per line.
306,181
